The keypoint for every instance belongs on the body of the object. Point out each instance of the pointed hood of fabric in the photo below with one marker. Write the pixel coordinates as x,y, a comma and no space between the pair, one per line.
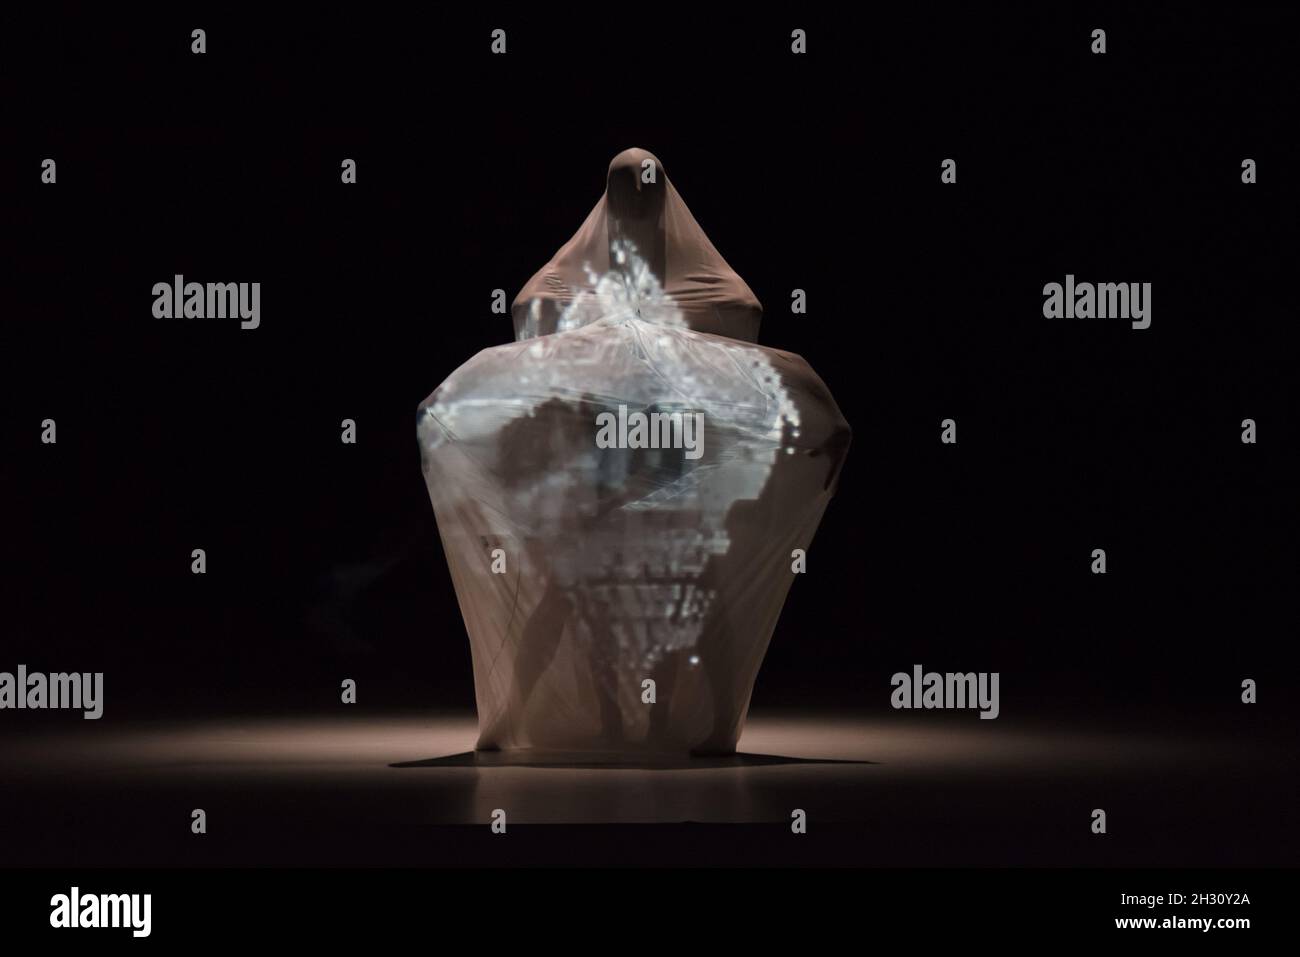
641,251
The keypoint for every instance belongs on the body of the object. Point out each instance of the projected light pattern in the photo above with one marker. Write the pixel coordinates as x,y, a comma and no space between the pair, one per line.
650,520
628,290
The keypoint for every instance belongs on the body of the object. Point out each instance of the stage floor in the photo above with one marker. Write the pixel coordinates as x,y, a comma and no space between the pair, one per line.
409,790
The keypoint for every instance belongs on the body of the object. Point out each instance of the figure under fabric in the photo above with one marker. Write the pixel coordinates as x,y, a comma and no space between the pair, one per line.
584,572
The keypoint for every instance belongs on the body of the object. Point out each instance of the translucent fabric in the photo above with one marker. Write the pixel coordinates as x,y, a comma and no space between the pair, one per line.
622,493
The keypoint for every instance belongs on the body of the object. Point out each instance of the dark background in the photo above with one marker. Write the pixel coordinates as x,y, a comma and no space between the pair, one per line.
818,172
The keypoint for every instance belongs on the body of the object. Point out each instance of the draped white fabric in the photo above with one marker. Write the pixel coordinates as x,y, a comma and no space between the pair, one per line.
620,573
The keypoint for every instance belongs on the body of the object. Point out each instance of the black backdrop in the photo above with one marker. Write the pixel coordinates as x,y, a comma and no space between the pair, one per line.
818,172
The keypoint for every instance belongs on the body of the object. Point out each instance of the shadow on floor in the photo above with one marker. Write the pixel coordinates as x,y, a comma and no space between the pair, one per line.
534,758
